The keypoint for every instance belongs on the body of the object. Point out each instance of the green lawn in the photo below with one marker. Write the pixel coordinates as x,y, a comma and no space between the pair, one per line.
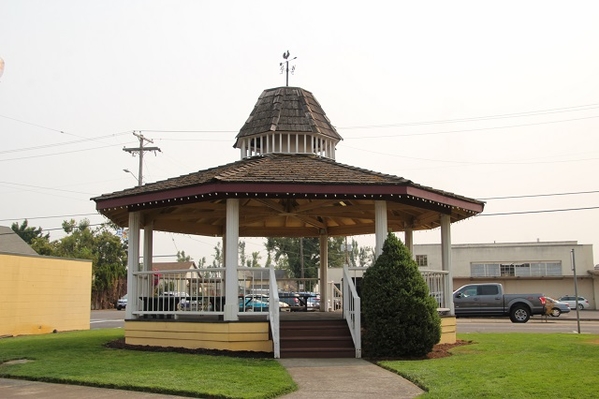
510,366
494,366
81,358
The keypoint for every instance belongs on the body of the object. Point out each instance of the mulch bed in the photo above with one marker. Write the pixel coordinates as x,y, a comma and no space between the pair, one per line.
120,344
439,350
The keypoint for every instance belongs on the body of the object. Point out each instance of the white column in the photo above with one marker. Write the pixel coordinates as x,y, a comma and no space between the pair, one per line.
148,245
446,260
380,226
231,260
148,255
324,275
409,240
132,263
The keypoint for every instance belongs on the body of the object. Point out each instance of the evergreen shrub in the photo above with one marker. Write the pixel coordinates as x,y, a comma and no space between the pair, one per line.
400,318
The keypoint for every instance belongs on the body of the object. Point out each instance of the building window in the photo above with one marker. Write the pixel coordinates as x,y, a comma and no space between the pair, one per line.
422,260
516,269
484,270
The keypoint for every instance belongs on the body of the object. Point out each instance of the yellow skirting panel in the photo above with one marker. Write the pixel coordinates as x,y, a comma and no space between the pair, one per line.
448,330
234,336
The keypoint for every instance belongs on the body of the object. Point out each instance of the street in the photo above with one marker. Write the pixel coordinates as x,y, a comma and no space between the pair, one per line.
566,323
107,319
534,325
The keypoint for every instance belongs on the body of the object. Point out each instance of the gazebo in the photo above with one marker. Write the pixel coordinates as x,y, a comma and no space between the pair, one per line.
286,184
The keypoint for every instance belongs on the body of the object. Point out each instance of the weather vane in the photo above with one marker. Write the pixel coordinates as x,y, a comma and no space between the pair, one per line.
285,66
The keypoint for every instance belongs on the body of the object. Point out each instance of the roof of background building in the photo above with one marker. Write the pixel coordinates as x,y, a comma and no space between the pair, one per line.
11,242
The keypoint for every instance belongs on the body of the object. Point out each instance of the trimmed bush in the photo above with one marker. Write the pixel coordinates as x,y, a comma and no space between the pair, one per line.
400,317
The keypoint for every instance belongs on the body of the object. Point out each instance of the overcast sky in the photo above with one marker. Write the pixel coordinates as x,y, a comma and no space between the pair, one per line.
482,99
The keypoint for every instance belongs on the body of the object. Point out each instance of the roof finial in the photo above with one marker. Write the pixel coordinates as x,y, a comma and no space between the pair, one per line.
285,67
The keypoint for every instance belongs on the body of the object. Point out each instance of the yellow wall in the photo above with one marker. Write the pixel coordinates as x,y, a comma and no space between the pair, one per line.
448,330
233,336
41,294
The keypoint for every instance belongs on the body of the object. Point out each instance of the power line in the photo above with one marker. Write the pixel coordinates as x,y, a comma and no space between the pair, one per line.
188,131
467,162
469,130
538,195
43,188
57,153
479,118
41,147
51,217
539,211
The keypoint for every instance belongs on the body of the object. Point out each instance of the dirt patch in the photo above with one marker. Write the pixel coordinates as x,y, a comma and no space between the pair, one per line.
17,361
442,350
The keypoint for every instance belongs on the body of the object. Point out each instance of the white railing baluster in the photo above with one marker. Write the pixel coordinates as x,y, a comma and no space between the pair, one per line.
351,310
274,314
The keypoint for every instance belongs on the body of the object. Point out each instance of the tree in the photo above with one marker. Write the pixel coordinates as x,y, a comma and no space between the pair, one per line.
288,255
181,257
202,262
400,317
365,256
254,262
28,234
218,256
242,256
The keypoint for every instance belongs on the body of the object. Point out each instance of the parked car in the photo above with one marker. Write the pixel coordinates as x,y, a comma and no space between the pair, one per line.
482,300
121,303
259,303
313,302
251,303
293,300
195,304
555,308
583,303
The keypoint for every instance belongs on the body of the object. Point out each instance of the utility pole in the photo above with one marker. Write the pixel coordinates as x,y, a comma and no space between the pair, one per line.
575,289
141,149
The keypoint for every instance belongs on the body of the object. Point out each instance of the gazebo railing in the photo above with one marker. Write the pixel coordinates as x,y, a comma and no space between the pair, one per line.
175,292
201,291
436,281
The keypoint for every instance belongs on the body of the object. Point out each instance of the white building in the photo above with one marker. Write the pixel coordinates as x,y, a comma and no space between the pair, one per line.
533,267
544,267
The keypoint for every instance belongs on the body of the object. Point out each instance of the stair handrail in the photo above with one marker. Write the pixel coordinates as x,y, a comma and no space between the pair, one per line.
273,310
351,310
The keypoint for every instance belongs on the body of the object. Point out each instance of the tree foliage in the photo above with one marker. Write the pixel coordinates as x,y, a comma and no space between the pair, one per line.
27,233
287,254
400,317
182,257
218,260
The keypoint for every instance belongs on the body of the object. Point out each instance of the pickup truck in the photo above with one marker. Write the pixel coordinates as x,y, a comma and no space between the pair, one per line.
489,300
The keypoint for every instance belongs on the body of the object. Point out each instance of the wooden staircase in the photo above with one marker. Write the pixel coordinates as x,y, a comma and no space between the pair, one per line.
316,339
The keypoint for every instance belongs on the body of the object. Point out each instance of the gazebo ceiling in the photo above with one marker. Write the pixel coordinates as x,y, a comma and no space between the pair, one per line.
285,195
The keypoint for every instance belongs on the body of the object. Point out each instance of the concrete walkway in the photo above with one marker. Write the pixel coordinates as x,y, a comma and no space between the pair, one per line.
346,378
316,378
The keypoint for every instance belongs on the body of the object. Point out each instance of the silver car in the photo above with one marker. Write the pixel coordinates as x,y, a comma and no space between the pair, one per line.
555,307
121,303
583,303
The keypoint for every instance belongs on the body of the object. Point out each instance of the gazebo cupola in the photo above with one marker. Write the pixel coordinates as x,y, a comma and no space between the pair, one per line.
287,120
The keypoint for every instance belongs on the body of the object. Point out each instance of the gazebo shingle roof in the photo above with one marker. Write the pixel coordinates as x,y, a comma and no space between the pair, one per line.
288,109
286,195
277,168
